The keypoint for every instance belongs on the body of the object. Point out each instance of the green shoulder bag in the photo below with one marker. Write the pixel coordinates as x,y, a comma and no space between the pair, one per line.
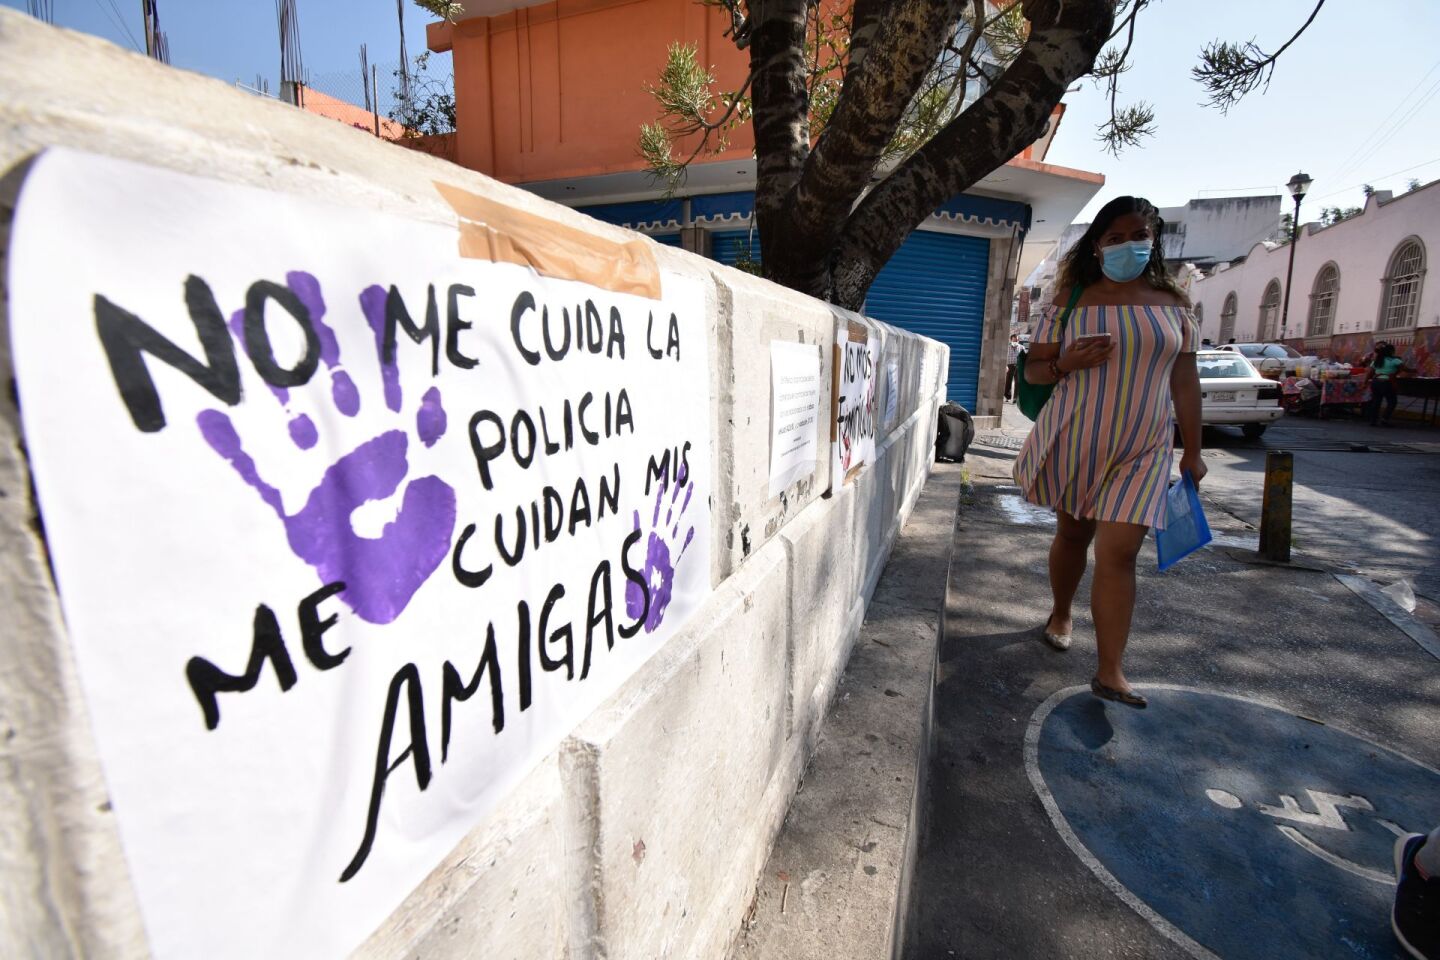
1031,397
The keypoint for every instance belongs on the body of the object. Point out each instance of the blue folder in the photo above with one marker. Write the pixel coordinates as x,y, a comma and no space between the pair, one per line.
1186,529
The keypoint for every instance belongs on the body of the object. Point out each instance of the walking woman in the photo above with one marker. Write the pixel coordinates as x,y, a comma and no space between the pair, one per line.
1119,344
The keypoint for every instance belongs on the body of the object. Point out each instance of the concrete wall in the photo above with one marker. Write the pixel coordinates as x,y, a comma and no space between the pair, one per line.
620,844
555,90
1360,247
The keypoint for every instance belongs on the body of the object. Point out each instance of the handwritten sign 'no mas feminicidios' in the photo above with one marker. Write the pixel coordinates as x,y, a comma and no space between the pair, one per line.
349,531
855,411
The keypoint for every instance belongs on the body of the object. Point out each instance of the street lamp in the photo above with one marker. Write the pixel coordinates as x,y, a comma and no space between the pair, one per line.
1298,185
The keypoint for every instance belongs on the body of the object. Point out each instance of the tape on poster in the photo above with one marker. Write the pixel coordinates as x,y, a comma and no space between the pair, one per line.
501,234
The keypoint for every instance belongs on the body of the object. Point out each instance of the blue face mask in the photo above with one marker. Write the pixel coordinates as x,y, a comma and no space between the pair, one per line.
1125,261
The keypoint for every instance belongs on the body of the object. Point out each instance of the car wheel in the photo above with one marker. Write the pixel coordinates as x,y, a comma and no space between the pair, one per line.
1253,431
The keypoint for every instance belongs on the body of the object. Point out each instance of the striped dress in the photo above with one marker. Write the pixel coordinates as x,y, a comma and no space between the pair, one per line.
1101,446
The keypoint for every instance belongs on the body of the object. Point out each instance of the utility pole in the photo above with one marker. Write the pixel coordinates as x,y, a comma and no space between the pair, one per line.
292,68
157,44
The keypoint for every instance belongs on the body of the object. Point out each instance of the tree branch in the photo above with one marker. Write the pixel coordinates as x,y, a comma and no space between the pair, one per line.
877,94
865,19
1229,71
781,105
1064,42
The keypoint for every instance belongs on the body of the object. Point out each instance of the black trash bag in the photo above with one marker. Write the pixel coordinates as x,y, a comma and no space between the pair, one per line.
954,433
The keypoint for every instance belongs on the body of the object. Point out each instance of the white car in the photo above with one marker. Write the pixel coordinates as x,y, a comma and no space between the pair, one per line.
1232,392
1275,359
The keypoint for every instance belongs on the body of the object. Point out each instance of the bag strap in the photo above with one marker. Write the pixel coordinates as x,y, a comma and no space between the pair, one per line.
1070,307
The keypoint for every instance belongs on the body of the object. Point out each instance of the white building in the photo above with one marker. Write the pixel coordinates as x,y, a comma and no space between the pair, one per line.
1215,230
1357,281
1205,232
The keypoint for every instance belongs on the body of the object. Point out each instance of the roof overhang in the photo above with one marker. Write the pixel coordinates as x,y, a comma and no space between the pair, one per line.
1055,194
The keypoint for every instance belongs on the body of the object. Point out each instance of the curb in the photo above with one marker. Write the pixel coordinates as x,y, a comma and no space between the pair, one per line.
838,879
1392,611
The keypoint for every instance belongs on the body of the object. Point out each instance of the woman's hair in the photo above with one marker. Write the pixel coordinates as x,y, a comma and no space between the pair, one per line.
1081,266
1384,349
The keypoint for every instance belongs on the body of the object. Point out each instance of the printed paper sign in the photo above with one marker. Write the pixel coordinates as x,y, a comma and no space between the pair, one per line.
349,531
795,400
855,411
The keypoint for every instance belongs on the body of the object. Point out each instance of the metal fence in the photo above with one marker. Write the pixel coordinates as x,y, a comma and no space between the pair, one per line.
342,95
385,85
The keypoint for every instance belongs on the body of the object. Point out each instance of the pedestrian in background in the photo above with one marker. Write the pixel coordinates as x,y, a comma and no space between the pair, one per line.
1010,366
1101,448
1384,368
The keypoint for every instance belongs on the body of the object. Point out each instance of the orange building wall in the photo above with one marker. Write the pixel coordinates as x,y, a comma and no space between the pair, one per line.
559,90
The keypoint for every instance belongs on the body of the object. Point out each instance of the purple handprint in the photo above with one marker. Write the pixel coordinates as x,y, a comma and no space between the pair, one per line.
381,574
661,557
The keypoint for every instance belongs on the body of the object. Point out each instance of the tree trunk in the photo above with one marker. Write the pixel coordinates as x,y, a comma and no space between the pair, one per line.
782,137
812,240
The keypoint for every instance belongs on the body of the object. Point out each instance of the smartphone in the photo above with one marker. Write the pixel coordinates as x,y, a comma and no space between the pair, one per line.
1092,336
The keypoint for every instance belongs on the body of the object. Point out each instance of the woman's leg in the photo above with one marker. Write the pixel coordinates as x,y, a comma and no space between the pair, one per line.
1112,595
1068,555
1372,408
1392,397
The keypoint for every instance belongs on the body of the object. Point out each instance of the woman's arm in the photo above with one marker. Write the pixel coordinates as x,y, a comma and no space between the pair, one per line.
1037,362
1185,392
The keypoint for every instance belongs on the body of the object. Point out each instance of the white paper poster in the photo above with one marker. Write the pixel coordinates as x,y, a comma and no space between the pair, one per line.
349,531
795,404
855,409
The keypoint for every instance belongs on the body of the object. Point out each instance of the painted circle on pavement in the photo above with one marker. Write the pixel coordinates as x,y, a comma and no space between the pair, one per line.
1237,828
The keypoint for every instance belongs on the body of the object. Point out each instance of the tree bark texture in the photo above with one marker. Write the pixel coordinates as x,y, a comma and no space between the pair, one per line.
781,103
814,236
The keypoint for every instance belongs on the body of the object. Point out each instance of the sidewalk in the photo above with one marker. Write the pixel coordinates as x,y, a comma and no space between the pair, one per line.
1249,812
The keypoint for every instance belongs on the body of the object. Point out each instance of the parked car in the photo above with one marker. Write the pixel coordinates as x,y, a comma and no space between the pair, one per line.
1272,359
1232,392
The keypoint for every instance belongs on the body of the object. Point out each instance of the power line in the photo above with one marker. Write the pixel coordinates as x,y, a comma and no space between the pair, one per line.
119,22
1375,145
1264,186
1347,164
1401,124
1383,176
123,25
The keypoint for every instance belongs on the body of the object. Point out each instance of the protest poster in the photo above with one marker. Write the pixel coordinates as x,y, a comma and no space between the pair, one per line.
349,530
855,398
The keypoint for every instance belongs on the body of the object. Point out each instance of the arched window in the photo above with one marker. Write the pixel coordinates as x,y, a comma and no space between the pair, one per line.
1322,301
1401,299
1269,312
1227,318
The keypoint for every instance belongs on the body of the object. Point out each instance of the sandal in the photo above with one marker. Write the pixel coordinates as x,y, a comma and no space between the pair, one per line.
1056,641
1118,696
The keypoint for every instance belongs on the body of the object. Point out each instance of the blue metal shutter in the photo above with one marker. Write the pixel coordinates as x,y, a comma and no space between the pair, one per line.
668,239
726,246
935,286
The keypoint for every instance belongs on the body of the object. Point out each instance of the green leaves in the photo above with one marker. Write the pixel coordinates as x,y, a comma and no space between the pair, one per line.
446,10
688,105
1229,71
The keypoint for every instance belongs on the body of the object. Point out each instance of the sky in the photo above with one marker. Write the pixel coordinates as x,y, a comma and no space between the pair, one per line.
1355,100
237,39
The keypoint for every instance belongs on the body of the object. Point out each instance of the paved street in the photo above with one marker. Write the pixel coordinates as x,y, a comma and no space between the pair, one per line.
1378,511
1250,811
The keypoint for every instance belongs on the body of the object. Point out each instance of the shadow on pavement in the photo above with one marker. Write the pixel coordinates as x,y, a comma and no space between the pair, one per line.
996,878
